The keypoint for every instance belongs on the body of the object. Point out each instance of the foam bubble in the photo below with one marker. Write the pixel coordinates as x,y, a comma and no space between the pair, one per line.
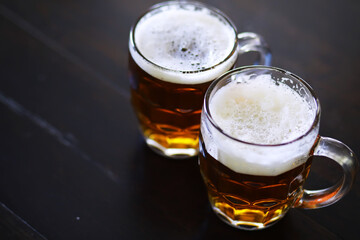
186,40
261,112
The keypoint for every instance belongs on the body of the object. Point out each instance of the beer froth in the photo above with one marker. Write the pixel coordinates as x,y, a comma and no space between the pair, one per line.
184,40
263,112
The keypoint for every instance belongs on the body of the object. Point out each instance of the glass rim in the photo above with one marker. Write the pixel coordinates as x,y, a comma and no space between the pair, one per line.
206,109
193,3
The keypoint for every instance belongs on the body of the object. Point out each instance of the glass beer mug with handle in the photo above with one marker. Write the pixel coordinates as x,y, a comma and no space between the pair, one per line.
177,49
259,131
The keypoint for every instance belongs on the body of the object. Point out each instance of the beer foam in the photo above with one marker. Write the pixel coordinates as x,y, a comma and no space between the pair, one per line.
260,111
184,40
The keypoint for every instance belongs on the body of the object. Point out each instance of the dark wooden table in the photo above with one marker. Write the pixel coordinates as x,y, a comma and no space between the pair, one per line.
72,163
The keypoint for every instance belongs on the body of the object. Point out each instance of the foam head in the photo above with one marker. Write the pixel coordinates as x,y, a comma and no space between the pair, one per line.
260,111
184,38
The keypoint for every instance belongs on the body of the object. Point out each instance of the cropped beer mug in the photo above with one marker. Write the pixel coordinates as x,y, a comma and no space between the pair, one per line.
177,49
259,133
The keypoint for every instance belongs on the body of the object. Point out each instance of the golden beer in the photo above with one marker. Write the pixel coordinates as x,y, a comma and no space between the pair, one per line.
168,113
176,49
250,201
257,136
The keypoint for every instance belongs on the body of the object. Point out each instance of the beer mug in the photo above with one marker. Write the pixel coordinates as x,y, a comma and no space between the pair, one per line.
259,133
177,49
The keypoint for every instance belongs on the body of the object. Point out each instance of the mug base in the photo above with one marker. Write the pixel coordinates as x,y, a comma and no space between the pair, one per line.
246,225
173,153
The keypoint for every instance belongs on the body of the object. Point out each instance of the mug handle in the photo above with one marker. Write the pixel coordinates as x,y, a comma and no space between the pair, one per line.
252,42
345,157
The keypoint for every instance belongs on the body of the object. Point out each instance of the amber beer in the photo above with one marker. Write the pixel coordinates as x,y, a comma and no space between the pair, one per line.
168,113
254,148
176,50
250,201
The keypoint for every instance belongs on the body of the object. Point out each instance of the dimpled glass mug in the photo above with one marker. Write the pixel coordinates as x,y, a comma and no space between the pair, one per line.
177,49
259,131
